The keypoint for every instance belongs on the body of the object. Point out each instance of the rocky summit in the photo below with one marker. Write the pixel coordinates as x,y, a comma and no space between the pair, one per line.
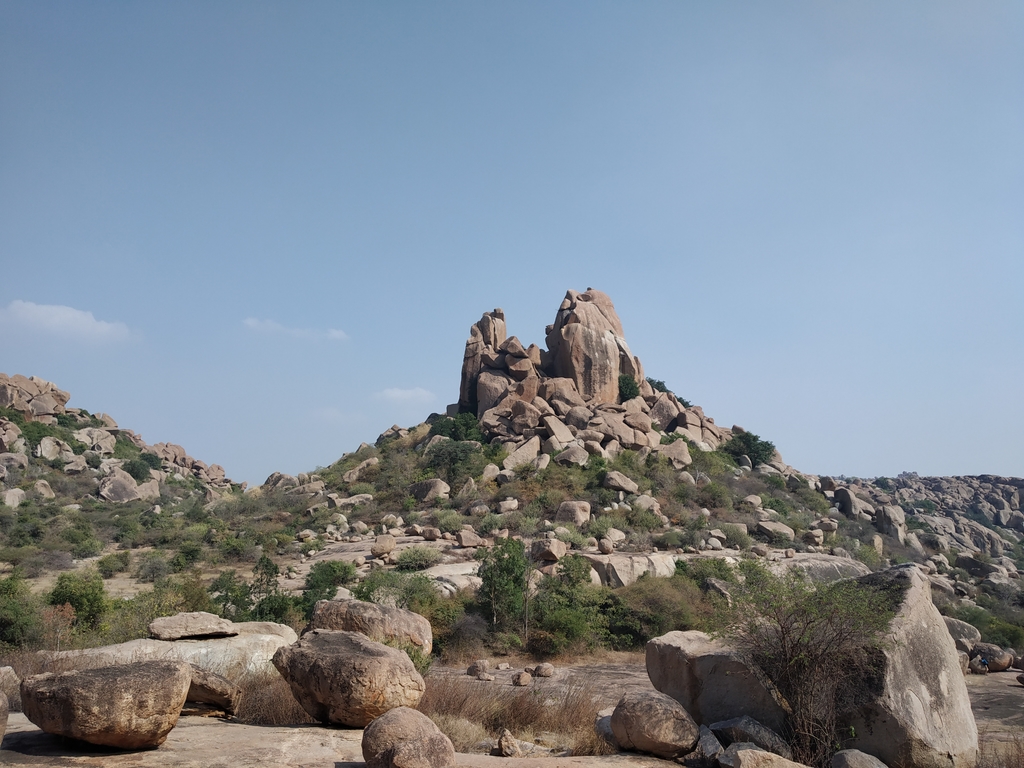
566,503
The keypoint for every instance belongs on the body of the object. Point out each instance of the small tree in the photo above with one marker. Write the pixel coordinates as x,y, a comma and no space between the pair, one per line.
750,445
504,571
817,649
84,591
323,581
628,388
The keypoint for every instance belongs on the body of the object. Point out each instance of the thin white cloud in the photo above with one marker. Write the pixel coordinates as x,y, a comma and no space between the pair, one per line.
414,396
65,322
274,327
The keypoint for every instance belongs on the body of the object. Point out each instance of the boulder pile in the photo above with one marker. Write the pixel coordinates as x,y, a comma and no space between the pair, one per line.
565,399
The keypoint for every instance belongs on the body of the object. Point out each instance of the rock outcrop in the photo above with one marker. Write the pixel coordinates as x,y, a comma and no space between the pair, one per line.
132,706
565,399
345,678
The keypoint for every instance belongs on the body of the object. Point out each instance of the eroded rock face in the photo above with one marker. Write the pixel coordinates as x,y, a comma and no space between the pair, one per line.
654,723
378,622
345,678
406,738
964,635
133,706
923,715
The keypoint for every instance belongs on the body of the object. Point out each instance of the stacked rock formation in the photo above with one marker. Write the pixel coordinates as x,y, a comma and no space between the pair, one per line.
566,398
35,398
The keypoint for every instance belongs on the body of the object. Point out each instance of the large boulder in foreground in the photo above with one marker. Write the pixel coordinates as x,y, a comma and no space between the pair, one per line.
651,722
918,712
377,622
133,706
922,715
4,710
406,738
710,679
345,678
249,652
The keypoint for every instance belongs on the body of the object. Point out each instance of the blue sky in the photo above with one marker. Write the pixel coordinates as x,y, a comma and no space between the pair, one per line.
262,230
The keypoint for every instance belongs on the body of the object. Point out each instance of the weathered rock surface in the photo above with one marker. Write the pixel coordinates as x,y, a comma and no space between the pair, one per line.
854,758
213,689
4,712
347,679
197,624
964,635
654,723
233,657
709,679
406,738
377,622
746,729
133,706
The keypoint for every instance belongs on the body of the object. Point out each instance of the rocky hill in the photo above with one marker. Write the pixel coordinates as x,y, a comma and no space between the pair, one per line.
570,447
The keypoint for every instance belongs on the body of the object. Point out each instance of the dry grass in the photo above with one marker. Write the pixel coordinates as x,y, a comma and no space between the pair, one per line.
1001,753
266,699
469,710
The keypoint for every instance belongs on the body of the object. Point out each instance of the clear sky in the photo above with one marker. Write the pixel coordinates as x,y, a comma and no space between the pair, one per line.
262,229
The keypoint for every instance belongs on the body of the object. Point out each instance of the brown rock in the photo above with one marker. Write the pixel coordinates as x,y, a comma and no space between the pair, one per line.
619,482
575,512
654,723
347,679
405,738
133,706
210,688
383,545
378,622
196,624
119,487
522,679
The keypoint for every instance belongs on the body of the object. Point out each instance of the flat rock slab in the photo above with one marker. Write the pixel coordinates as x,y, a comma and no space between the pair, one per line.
199,742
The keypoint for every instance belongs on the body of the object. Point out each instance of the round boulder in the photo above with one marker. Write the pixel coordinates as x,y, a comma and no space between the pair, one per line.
132,706
964,635
651,722
345,678
405,738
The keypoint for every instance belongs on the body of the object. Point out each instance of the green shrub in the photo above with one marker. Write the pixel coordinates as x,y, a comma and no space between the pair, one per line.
714,495
151,459
628,388
463,426
110,565
449,521
138,469
650,607
19,611
418,558
83,591
566,611
670,540
776,504
573,538
736,536
152,567
700,569
750,445
643,520
490,522
504,570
